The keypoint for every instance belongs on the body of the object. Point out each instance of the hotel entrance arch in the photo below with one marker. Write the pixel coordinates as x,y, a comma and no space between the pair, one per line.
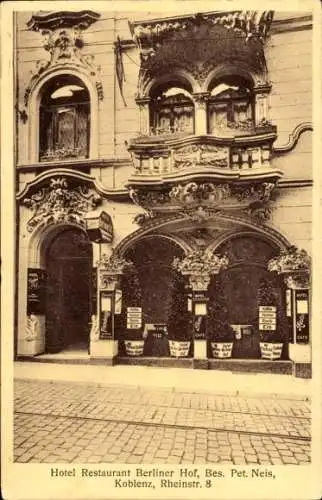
248,256
68,260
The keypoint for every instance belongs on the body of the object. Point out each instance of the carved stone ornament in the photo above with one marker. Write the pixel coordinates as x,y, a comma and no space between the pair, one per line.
149,35
298,281
291,261
194,194
60,203
149,199
33,328
253,192
110,268
63,40
199,265
201,155
141,219
95,330
114,263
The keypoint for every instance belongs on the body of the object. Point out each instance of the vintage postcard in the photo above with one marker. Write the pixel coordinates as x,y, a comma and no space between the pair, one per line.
161,250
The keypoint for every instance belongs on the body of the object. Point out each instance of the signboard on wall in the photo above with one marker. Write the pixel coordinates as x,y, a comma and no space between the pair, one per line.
267,317
99,227
134,318
302,317
36,289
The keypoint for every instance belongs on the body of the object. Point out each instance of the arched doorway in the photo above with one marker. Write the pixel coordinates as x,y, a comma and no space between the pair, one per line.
152,258
248,257
68,266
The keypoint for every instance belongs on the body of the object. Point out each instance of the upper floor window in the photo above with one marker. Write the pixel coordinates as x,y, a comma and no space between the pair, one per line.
64,116
172,111
231,105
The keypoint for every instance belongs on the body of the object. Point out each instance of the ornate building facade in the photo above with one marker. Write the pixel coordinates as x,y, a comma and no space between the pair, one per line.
163,163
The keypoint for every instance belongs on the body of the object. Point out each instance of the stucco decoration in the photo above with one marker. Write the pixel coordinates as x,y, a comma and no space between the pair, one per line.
200,155
33,328
110,268
63,40
295,266
291,260
195,194
199,265
149,35
59,202
197,44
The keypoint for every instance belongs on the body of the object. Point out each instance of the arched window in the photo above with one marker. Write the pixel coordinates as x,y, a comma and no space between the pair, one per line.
231,104
172,111
64,116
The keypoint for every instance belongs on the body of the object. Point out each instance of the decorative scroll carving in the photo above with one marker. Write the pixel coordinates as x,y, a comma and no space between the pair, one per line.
63,40
201,155
95,329
33,328
60,203
141,219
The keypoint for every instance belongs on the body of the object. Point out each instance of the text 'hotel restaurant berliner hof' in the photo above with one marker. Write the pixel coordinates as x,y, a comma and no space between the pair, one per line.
164,189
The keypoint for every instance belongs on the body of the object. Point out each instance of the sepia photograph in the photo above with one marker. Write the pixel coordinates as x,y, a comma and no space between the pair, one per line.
162,208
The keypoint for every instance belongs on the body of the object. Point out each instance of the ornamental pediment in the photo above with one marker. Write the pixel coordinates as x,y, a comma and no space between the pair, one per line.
60,200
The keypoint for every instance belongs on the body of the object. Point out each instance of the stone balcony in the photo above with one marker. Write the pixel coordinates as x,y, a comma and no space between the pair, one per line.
232,155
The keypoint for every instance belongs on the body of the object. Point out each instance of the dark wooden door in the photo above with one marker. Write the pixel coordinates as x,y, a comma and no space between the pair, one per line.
68,292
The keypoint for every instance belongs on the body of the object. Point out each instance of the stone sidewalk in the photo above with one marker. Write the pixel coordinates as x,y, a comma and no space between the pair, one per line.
69,422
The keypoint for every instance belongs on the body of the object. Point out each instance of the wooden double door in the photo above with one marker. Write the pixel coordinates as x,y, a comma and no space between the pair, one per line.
68,291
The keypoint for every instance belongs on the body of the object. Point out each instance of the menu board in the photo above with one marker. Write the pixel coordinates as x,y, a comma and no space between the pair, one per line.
134,318
267,317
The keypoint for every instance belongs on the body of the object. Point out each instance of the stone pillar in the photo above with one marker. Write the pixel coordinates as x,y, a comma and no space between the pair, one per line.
144,115
299,308
103,344
199,284
201,118
261,103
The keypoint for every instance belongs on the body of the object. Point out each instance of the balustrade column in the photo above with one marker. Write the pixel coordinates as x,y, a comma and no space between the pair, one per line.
201,120
144,115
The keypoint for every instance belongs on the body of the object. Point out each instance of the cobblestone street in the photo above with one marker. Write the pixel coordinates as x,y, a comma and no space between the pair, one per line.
72,422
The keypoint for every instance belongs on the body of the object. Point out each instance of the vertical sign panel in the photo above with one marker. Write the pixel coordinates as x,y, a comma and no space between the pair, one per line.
94,290
36,290
302,317
289,314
